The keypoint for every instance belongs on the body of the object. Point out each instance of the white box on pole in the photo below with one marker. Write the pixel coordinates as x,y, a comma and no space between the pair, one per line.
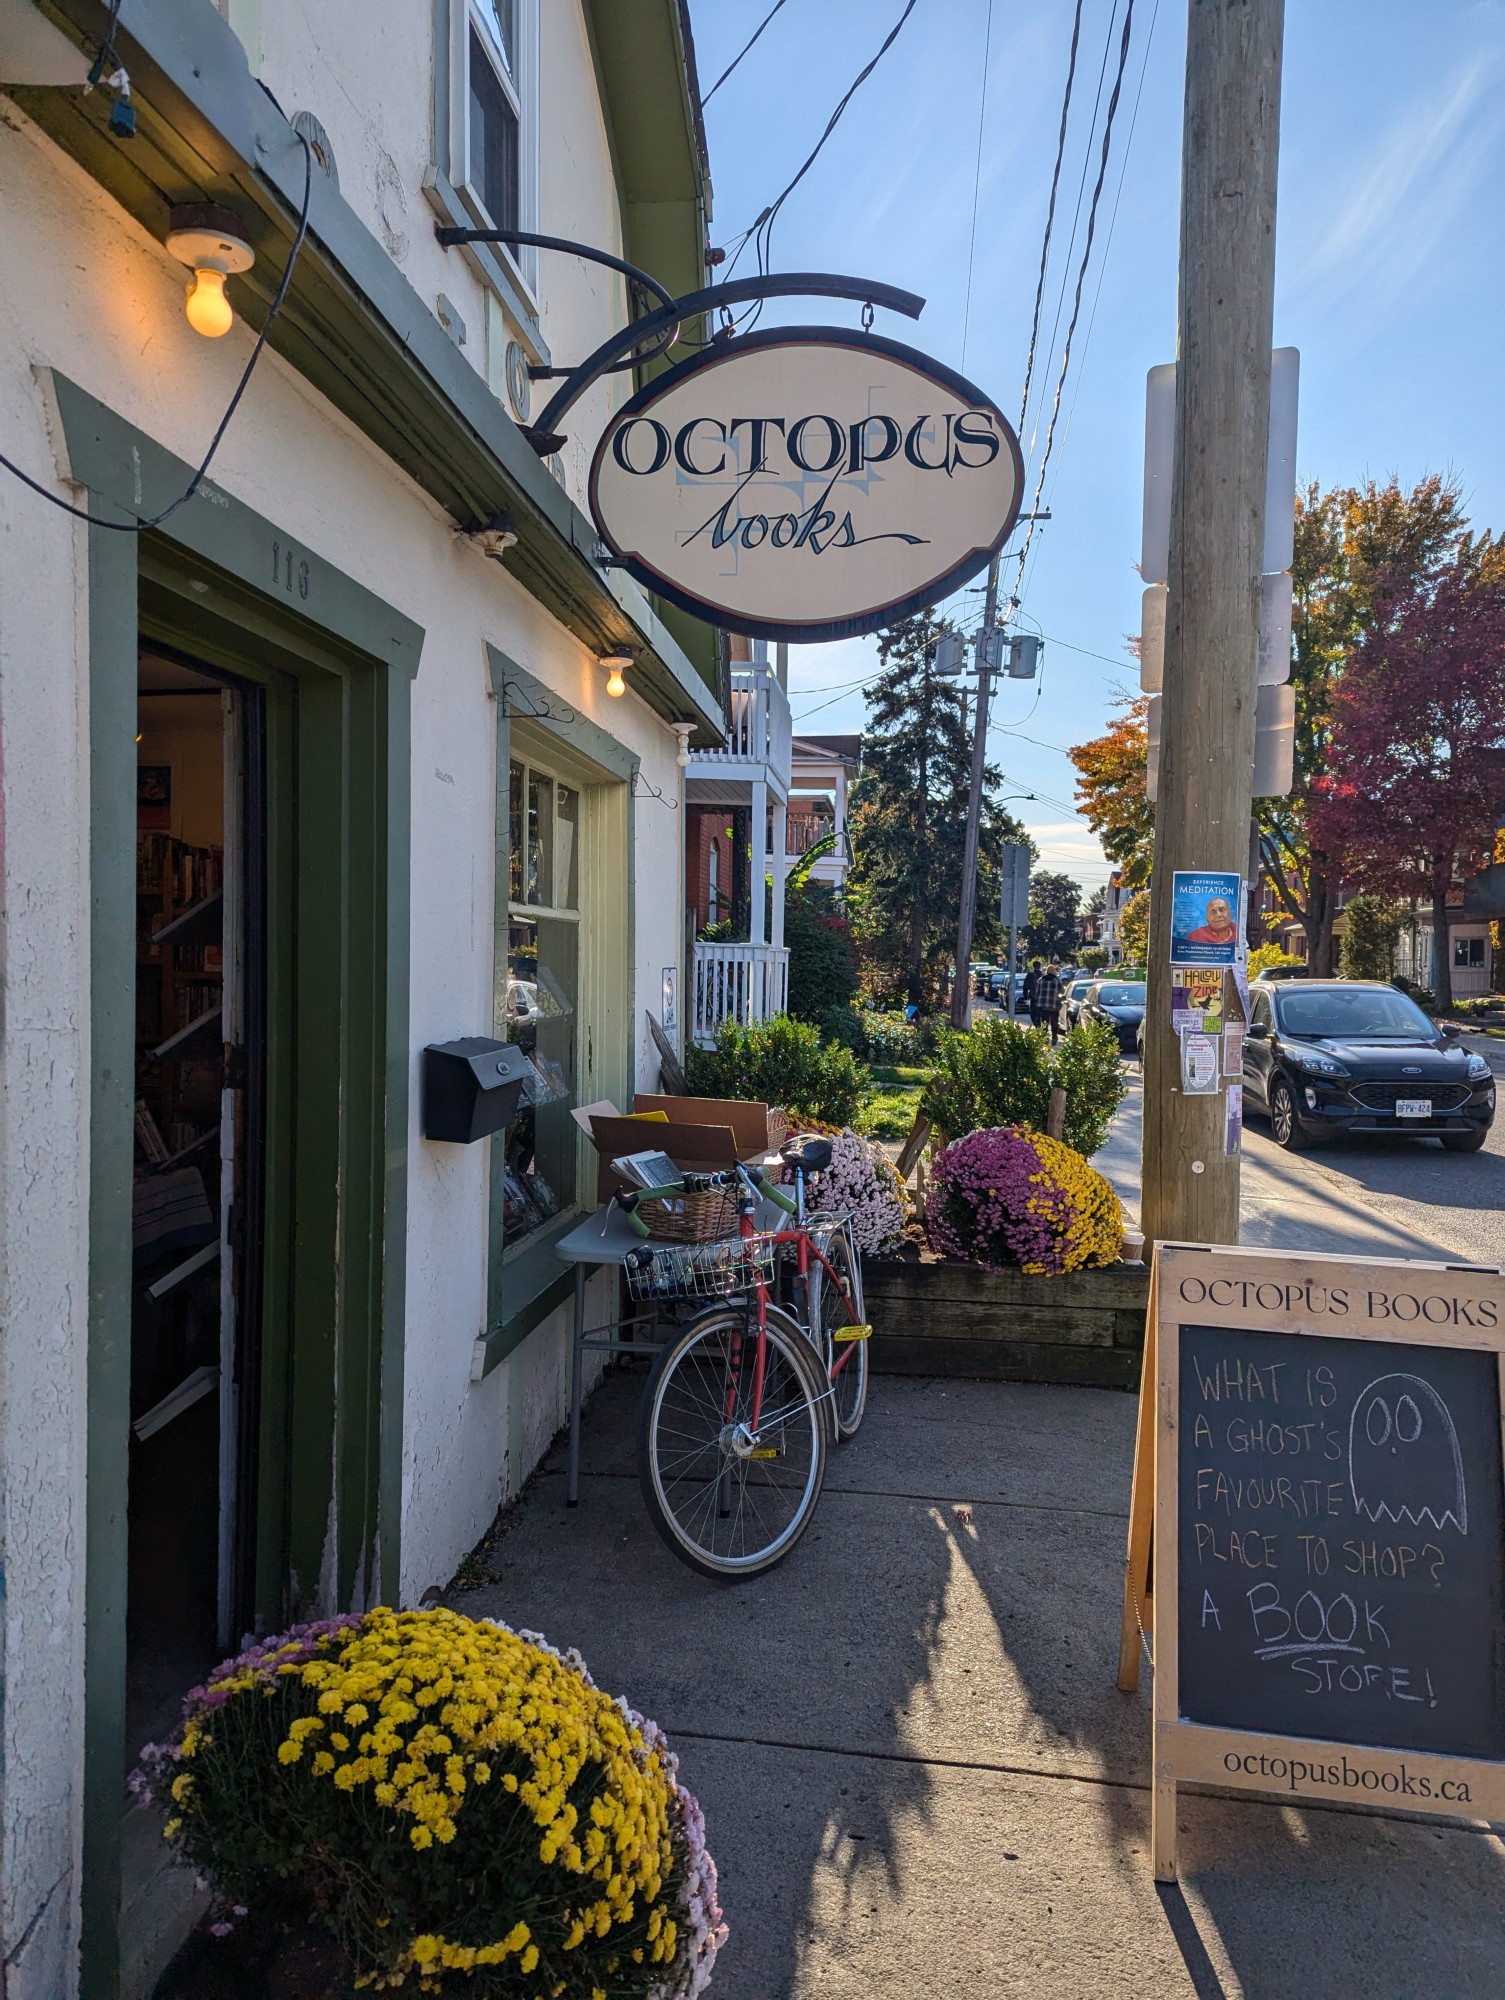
1280,466
1274,741
1275,604
1159,458
1152,638
1013,911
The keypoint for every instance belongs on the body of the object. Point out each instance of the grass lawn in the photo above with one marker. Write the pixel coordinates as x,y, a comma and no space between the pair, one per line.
888,1108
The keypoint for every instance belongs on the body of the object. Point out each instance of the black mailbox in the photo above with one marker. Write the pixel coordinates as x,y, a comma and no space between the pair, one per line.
473,1087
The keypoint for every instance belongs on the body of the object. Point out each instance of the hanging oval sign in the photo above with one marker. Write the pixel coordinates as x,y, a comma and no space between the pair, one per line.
806,483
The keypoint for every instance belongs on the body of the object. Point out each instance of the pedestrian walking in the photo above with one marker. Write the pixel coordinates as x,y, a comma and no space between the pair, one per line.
1045,1007
1027,991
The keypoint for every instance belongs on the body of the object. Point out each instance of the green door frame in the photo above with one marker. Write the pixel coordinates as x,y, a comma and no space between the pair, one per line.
224,584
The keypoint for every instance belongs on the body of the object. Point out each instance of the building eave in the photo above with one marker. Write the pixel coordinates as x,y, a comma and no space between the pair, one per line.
352,325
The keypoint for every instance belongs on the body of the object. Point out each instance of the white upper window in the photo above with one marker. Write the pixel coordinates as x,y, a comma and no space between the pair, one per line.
486,130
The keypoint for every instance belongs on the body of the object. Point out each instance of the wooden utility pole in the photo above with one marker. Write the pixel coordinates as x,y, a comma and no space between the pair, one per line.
961,985
1230,145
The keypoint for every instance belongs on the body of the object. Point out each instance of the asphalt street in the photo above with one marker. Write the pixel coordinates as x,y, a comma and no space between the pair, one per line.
1380,1197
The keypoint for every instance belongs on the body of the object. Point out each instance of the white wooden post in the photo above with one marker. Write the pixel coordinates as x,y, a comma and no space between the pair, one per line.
780,870
759,865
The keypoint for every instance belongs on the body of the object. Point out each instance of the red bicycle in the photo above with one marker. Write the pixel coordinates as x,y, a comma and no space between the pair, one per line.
742,1398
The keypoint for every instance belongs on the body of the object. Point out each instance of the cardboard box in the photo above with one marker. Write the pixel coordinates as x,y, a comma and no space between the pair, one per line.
701,1135
749,1121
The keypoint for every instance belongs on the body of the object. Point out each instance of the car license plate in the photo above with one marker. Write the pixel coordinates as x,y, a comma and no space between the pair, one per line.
1413,1107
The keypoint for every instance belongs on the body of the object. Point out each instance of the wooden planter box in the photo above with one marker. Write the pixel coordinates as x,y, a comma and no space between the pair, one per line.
949,1318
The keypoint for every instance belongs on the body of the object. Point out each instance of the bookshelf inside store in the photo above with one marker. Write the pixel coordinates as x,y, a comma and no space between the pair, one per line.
179,989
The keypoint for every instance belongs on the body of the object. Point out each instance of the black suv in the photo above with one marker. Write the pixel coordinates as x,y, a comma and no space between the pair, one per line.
1355,1055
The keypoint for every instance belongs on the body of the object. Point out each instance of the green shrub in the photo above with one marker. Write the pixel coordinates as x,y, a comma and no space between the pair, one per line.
780,1062
1092,958
879,1038
1270,957
822,962
1002,1073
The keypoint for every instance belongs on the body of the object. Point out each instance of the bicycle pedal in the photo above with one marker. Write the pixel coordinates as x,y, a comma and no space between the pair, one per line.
764,1451
857,1331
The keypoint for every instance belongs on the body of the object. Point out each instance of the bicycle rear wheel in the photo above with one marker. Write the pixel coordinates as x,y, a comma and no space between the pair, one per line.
731,1502
834,1307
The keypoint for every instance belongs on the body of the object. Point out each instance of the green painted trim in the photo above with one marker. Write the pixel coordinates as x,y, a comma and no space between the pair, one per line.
520,693
453,213
503,1340
114,458
352,325
517,1282
338,668
112,1028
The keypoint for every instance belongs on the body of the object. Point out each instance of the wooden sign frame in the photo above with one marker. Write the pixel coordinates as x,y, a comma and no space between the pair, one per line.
1183,1280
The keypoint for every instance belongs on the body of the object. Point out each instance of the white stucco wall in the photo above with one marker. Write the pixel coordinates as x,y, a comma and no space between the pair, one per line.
105,308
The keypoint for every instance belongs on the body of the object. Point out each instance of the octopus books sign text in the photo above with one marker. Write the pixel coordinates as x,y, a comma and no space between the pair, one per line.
806,483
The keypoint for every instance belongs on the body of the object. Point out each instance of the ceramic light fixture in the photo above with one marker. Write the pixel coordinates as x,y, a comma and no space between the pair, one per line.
614,663
212,241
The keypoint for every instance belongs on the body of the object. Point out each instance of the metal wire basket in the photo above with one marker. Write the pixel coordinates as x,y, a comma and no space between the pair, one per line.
700,1270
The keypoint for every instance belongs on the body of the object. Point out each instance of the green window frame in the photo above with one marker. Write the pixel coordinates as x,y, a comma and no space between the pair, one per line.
525,1279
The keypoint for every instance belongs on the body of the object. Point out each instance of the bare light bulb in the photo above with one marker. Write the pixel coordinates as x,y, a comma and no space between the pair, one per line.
211,241
614,681
209,311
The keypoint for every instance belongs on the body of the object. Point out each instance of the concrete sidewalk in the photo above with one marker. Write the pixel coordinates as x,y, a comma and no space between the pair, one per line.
920,1781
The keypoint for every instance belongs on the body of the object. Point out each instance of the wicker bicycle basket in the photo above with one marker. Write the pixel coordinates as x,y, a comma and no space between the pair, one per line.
702,1215
700,1270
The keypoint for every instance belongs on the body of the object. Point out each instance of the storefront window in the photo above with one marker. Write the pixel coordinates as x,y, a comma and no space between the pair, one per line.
543,992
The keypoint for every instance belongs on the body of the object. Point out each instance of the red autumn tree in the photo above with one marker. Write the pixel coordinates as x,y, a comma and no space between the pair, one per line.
1413,786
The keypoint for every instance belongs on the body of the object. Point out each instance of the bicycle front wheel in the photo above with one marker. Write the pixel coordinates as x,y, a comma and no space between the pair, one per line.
835,1307
731,1500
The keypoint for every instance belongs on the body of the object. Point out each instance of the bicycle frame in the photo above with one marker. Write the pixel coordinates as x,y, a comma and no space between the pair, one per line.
805,1247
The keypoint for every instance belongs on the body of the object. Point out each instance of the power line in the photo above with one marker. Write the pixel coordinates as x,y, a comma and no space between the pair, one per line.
762,230
777,4
1102,269
1050,214
1123,57
982,112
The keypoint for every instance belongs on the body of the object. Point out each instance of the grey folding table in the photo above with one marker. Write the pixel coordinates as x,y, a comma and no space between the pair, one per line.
603,1238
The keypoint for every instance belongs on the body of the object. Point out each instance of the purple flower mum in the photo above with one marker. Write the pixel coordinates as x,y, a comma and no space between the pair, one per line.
992,1200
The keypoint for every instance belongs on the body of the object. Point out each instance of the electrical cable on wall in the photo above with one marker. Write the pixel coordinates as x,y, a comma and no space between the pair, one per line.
141,527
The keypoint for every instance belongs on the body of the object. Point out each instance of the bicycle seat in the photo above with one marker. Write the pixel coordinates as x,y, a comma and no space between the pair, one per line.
807,1152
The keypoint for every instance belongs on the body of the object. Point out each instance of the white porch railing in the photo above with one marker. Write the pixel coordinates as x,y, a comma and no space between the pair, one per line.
737,982
760,727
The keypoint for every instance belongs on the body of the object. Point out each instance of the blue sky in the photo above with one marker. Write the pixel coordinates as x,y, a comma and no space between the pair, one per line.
1389,271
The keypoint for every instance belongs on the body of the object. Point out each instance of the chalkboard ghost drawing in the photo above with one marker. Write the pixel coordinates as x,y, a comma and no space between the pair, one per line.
1404,1463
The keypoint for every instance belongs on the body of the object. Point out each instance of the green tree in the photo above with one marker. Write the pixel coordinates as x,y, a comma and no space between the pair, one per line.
907,822
1054,924
1371,930
1350,540
1134,928
823,970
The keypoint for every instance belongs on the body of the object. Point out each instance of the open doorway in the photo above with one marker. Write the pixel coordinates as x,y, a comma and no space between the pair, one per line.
197,1194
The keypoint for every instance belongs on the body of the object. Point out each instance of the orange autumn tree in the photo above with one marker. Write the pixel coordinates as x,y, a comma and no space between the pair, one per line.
1111,789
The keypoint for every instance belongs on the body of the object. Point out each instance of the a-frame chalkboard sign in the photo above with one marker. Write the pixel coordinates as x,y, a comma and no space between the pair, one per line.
1317,1485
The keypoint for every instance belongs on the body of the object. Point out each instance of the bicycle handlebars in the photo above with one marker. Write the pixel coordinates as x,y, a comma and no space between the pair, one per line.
757,1182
